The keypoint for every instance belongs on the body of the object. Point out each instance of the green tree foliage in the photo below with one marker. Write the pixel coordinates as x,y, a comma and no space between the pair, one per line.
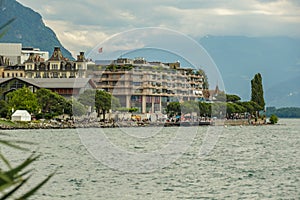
204,109
189,107
104,101
217,109
173,109
51,102
248,106
232,98
132,110
221,97
23,99
230,108
273,119
3,109
69,107
205,79
124,109
257,93
78,109
87,98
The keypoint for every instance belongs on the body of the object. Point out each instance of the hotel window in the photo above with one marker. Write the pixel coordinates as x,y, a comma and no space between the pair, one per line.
137,83
55,66
138,91
46,75
29,67
80,74
114,83
115,76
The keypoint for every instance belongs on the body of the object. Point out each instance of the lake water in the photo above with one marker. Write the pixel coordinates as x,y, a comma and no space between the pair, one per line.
249,162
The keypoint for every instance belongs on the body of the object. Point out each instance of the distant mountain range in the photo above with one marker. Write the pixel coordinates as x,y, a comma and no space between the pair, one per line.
238,58
28,28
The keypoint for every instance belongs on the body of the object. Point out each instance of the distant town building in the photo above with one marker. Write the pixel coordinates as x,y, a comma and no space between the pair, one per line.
35,66
65,87
11,52
149,86
18,55
56,66
11,71
40,55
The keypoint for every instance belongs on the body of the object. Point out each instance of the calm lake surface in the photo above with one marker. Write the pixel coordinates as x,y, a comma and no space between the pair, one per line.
249,162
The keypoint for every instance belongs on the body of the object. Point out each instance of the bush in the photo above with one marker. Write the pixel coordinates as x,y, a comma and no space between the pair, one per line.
133,110
273,119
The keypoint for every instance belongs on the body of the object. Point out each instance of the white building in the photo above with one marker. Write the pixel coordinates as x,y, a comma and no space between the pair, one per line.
21,115
26,51
12,51
18,54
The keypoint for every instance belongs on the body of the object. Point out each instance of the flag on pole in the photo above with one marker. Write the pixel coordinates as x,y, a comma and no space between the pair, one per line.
100,50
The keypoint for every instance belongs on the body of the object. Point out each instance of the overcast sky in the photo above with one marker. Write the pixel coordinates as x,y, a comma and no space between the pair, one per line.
80,25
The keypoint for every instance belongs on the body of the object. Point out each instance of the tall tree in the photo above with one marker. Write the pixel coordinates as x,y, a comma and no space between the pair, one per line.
257,93
51,102
77,108
104,101
232,98
189,107
3,108
205,79
23,99
173,108
87,98
205,109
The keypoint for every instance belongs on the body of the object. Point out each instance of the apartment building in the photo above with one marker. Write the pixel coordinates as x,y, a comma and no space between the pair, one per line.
149,86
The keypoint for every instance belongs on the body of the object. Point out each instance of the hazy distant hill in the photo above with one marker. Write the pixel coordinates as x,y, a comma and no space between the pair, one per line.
28,28
276,58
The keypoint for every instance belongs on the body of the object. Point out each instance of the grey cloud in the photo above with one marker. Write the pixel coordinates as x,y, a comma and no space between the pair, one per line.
192,17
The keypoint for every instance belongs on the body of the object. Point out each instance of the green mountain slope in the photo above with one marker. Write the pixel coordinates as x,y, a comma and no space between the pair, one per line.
28,28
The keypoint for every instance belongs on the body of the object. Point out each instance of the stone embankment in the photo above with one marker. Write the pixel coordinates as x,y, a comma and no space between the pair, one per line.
97,124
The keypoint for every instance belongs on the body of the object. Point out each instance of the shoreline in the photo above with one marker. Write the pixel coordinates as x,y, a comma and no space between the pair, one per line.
127,124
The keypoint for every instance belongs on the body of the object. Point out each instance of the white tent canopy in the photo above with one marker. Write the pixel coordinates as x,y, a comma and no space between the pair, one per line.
21,115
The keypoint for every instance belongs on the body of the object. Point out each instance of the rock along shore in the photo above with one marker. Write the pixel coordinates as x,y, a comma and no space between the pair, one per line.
73,125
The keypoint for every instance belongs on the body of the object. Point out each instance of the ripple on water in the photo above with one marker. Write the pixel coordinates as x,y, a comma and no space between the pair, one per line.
246,163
